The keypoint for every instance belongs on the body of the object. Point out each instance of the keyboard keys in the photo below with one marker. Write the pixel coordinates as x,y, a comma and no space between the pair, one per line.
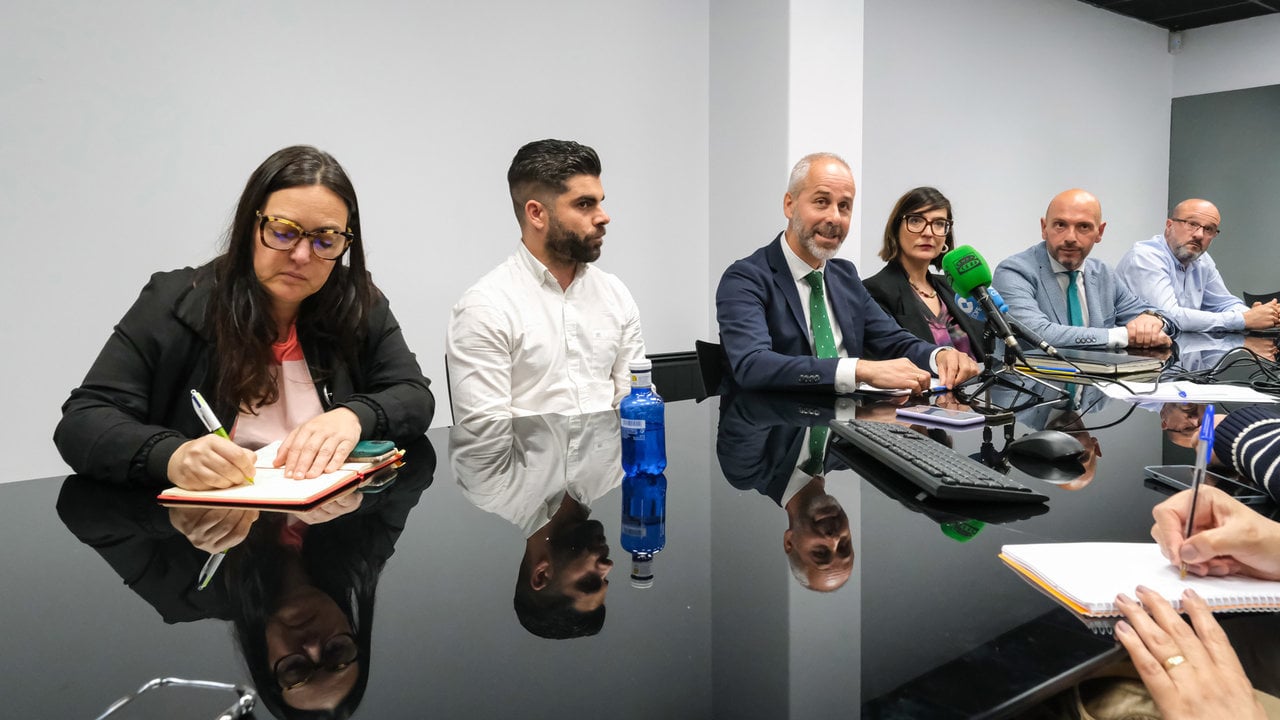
933,467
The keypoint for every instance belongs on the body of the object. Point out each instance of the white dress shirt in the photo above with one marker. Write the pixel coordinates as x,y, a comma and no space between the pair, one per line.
519,345
521,469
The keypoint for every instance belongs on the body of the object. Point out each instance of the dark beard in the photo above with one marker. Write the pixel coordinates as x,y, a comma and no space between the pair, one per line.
567,243
575,538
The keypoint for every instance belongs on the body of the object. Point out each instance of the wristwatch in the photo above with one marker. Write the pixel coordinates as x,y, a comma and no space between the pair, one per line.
1168,326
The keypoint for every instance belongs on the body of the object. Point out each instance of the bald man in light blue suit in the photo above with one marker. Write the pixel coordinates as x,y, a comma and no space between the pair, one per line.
1035,284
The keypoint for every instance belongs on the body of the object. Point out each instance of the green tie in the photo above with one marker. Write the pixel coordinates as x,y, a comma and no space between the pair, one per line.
817,449
1073,299
824,342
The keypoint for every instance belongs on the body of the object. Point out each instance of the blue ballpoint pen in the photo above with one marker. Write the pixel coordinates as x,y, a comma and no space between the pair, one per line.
1204,447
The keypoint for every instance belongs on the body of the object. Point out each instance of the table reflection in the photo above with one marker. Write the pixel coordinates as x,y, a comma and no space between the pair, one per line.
543,474
777,445
297,588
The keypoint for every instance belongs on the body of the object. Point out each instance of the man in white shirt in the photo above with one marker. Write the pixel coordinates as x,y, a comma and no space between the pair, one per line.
546,331
1174,272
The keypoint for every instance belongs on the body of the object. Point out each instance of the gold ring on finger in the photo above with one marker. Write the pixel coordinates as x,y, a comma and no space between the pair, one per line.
1173,662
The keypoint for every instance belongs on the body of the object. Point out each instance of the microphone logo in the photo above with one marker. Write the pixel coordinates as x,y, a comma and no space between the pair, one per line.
967,262
970,307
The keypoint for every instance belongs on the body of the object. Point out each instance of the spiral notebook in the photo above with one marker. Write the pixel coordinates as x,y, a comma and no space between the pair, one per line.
1087,576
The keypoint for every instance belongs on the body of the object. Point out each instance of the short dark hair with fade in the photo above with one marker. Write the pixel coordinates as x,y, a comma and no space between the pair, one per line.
541,168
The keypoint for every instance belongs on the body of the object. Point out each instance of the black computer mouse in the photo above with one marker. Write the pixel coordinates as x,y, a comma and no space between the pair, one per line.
1048,445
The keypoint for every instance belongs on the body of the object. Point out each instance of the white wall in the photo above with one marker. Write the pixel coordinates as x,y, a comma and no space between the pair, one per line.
1231,56
127,132
1032,97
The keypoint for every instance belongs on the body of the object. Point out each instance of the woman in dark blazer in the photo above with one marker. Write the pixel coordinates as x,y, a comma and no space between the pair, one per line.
917,235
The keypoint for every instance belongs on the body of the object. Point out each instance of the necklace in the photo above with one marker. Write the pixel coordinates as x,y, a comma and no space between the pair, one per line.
922,293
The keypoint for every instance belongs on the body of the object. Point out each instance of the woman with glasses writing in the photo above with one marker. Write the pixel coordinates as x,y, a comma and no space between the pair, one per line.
284,333
918,234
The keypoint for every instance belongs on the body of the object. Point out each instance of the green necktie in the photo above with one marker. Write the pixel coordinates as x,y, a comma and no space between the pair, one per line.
817,449
1073,299
824,342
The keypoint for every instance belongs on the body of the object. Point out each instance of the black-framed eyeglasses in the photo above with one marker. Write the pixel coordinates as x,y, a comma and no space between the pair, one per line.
296,670
1208,230
281,234
917,223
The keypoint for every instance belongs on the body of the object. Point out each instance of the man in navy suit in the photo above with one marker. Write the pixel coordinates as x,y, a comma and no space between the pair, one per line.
765,304
1057,292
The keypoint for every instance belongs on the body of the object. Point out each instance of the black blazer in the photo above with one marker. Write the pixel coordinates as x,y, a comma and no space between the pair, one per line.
893,291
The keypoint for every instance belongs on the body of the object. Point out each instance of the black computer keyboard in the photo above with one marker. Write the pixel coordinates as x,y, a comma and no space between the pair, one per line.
935,468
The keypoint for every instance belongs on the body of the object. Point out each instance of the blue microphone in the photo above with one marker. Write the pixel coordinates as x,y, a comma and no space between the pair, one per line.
970,307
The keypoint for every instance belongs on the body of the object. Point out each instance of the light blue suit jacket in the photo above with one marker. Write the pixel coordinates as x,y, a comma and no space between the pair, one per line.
1028,284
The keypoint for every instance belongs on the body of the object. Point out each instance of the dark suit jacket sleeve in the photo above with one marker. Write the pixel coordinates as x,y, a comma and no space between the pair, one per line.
110,424
759,439
762,354
877,336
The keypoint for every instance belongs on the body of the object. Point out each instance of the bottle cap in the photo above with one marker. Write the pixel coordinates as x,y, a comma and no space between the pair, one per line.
641,365
642,571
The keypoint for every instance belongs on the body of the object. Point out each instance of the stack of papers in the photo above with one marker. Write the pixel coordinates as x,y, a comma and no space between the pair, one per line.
1183,391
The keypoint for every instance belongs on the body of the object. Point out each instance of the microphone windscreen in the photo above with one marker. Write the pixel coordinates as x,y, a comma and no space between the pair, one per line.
965,269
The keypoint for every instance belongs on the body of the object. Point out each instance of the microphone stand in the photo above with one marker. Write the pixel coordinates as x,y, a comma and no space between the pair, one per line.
995,373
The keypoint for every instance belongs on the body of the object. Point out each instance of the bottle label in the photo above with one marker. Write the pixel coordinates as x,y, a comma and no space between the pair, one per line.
633,424
642,379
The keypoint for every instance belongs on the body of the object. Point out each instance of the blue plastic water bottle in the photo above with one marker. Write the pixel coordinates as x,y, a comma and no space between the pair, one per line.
644,523
644,434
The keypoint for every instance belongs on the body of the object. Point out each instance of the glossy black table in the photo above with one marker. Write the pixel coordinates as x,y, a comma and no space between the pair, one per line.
927,625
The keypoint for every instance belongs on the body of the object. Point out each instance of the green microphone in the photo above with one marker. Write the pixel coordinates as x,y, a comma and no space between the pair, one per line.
969,274
963,530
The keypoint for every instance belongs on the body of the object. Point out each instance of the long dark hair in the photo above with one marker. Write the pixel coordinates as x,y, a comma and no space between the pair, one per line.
336,565
918,200
239,311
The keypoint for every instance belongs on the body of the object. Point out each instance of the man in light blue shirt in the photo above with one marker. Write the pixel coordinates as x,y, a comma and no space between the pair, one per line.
1174,273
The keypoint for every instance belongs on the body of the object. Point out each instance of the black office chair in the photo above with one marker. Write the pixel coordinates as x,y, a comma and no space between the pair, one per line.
676,377
712,365
1250,298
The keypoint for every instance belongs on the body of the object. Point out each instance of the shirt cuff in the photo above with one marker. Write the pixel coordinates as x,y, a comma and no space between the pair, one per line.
933,360
1118,337
847,375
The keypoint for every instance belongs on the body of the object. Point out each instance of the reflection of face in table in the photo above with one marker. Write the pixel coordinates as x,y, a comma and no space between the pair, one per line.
724,631
296,584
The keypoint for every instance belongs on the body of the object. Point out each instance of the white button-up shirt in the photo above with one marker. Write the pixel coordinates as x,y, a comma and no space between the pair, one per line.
519,345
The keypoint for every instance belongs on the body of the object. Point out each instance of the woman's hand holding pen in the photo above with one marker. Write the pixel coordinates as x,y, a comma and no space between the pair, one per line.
213,530
319,445
210,462
1229,538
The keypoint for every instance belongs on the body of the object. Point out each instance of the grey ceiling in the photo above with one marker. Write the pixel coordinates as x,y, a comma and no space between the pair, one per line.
1186,14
